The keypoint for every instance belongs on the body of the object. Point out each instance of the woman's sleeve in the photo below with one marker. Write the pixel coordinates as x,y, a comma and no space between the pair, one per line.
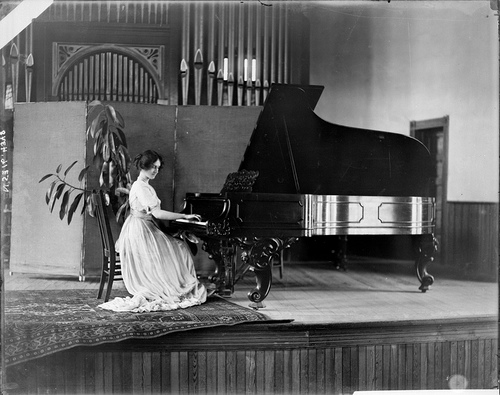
148,199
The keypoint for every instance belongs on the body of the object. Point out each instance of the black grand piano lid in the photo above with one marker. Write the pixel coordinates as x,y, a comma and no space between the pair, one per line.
295,151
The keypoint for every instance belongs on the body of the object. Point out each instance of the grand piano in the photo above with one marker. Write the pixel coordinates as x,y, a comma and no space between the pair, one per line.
302,176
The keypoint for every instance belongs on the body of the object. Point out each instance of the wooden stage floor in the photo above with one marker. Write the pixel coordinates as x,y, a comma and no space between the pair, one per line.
368,328
371,290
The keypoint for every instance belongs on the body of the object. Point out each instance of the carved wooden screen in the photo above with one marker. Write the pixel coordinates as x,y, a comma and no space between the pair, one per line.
107,73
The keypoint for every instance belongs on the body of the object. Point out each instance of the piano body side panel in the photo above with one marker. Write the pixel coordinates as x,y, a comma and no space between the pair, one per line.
369,215
267,214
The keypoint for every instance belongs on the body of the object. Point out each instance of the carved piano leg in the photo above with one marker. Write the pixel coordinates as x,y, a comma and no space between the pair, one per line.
222,252
426,250
259,256
263,279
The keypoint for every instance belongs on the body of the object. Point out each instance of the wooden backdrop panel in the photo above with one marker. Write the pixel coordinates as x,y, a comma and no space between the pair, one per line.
147,126
46,135
211,142
200,145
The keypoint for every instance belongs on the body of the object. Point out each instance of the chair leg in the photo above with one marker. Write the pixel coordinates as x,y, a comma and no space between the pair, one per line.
103,278
280,264
111,276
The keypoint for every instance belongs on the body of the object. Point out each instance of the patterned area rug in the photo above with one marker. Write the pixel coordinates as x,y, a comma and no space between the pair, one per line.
39,323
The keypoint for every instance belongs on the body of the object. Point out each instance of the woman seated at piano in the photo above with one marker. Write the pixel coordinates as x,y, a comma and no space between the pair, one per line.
157,269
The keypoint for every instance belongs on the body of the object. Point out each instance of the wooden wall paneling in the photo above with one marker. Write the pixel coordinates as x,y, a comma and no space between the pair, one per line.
230,379
295,370
221,374
174,384
480,363
240,378
426,366
472,238
489,346
320,371
206,373
250,371
164,372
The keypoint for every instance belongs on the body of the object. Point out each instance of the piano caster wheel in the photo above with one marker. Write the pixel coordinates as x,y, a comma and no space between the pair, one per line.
257,305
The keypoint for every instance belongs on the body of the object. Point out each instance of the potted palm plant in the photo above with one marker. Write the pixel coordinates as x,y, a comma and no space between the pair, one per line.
105,132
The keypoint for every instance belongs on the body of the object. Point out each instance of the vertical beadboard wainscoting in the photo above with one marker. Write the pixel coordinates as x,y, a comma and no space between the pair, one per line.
277,358
470,239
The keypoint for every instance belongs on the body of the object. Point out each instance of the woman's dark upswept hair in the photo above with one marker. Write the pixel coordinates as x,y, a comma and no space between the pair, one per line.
146,159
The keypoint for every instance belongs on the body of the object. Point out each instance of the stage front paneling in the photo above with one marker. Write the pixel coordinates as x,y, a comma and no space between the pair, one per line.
278,358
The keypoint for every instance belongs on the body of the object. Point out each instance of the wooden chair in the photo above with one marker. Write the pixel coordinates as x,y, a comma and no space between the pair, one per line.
111,265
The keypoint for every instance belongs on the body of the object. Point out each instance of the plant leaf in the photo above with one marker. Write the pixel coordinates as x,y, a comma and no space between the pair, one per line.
73,206
93,126
48,195
69,168
111,113
121,121
45,177
104,177
111,143
111,173
122,210
93,106
64,204
90,205
83,172
59,190
84,206
105,151
98,162
122,136
56,196
97,146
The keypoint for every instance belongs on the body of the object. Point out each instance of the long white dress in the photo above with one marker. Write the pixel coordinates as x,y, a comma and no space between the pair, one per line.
158,269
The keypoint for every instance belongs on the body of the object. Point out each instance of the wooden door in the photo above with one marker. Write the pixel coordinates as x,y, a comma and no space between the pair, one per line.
433,133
